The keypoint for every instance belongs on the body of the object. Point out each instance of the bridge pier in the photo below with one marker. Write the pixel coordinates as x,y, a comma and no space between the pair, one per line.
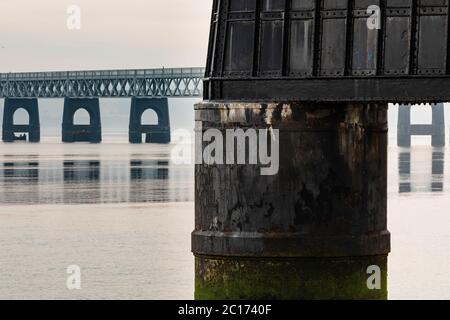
436,130
72,132
315,230
10,129
159,133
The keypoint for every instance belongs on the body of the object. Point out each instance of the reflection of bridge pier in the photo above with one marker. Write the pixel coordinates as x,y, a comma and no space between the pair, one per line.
23,176
78,171
149,170
25,171
32,128
406,183
75,174
437,171
404,171
149,181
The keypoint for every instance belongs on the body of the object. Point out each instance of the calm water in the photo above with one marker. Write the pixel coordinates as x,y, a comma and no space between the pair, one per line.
124,214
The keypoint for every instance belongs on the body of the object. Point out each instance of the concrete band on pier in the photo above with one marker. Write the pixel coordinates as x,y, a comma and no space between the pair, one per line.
312,230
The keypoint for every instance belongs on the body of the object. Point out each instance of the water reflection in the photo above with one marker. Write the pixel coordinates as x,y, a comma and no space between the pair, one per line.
437,184
21,172
81,182
24,175
404,171
149,170
149,181
95,181
420,180
80,171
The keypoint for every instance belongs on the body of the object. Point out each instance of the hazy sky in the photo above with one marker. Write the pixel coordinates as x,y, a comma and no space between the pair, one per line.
114,34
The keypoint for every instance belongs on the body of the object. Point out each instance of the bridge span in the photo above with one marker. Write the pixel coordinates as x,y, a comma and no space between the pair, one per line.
147,88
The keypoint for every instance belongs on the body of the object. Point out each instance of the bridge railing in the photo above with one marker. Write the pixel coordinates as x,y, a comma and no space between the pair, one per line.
102,74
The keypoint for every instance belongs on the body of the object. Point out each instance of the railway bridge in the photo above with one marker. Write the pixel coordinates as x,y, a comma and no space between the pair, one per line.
147,88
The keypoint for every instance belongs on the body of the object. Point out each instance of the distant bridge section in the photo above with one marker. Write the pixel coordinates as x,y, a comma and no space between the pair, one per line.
148,83
148,89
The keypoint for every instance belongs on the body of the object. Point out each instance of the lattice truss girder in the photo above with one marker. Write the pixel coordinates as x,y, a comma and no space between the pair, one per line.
187,83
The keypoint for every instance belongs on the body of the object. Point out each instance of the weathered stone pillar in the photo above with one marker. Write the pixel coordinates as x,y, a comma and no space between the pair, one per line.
312,231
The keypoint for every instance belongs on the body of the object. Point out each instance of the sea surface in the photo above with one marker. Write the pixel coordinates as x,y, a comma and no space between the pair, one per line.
124,213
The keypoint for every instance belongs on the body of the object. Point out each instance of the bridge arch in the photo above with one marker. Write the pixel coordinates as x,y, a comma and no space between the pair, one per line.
82,116
157,131
150,116
21,116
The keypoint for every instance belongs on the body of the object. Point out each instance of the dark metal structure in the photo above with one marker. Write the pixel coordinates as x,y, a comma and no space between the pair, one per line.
179,82
9,129
159,133
72,132
323,50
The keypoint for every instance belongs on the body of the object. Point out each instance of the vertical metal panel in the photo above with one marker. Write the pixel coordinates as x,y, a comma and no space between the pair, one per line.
242,5
397,37
364,40
273,5
301,35
432,36
271,37
333,41
239,47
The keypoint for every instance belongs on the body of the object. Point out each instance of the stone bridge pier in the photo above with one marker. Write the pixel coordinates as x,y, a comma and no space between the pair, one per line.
313,230
72,132
310,74
10,128
159,133
436,129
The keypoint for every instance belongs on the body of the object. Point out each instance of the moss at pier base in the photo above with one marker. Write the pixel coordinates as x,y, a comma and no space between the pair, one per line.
288,279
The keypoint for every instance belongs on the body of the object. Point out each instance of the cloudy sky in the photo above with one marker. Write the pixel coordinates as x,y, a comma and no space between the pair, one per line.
114,34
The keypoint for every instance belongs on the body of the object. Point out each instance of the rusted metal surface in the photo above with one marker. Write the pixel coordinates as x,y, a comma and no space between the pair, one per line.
328,199
323,50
